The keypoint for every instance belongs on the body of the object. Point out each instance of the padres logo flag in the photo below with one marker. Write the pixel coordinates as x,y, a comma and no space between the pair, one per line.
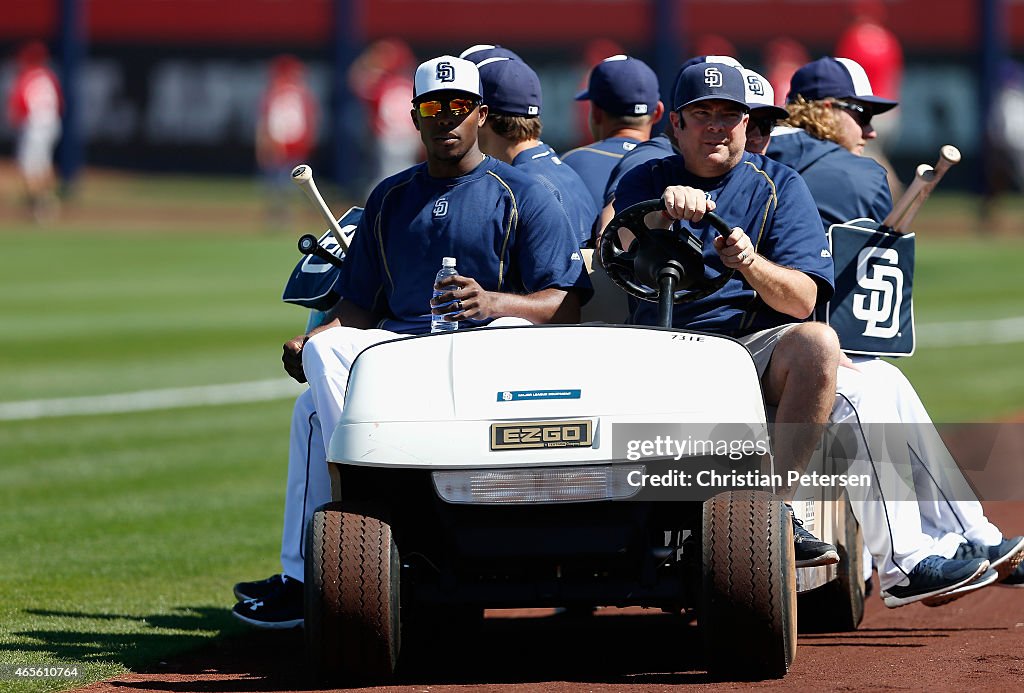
872,309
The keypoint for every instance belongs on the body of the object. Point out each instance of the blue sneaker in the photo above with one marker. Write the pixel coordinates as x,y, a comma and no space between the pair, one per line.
933,576
809,550
987,578
1005,556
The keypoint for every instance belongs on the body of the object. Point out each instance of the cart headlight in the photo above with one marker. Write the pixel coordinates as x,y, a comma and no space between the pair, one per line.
539,485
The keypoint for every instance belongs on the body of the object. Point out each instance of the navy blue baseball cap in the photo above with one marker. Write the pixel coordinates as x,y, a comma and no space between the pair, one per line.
482,51
510,87
837,78
622,85
705,81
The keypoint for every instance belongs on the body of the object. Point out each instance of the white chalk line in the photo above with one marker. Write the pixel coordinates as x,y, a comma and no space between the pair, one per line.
151,400
929,335
971,333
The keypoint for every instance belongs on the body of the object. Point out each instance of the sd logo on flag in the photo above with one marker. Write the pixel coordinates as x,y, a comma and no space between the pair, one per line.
872,309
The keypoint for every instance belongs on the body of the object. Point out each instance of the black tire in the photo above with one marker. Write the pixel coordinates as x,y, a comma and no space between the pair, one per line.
748,600
838,607
352,597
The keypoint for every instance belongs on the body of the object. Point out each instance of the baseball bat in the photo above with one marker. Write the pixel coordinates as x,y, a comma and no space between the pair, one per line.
302,176
922,177
309,245
948,156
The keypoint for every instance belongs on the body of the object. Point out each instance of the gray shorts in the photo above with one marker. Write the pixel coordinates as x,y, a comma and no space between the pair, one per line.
761,345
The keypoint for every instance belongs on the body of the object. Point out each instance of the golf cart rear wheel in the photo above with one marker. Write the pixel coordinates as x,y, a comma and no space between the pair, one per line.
352,596
838,606
748,600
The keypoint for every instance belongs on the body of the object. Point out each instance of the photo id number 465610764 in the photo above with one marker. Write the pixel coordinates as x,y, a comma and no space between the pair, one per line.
13,672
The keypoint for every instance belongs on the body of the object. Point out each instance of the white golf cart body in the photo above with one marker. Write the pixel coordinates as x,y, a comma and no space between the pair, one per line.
445,391
480,469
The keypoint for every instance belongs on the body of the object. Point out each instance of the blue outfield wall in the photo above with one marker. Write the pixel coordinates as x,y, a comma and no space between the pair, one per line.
193,109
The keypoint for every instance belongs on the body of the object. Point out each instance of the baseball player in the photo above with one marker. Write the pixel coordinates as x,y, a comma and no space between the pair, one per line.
902,536
825,136
517,259
654,148
764,114
624,106
512,131
782,267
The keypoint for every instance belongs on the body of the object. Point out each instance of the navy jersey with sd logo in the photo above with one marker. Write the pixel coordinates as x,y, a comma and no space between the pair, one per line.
771,203
504,229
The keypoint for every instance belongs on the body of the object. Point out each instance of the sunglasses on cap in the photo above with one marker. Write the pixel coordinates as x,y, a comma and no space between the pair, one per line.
457,107
858,112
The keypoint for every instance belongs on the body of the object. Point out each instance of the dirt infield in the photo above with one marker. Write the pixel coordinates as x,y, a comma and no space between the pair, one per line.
976,642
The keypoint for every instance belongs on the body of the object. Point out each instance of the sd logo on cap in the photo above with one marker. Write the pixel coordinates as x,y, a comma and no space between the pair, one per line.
446,73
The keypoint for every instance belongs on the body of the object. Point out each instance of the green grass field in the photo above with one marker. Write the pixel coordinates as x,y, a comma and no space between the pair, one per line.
122,534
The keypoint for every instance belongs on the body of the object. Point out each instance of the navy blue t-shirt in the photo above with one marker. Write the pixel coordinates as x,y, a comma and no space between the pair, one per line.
542,161
594,163
771,203
844,186
655,148
504,229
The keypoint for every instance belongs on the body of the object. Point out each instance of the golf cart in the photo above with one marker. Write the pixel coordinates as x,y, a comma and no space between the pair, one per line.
492,468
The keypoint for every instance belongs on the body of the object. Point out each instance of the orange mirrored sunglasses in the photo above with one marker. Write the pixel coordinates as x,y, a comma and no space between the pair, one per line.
457,107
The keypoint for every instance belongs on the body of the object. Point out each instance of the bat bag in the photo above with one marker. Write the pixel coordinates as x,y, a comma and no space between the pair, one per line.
872,309
311,283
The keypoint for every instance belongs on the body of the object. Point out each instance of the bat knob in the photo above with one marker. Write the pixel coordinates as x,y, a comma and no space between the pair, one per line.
302,173
307,243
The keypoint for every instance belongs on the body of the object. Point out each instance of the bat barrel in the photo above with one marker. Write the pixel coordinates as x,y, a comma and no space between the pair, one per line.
302,176
922,177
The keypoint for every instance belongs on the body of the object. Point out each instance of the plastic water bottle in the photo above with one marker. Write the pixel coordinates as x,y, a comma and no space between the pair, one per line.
437,322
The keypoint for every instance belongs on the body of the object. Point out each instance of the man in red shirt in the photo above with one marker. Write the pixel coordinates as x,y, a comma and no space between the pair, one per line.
285,132
380,78
34,109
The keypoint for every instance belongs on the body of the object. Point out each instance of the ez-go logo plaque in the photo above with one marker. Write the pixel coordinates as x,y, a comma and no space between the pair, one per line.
528,435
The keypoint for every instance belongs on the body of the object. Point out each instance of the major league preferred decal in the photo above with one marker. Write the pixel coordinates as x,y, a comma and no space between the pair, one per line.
879,308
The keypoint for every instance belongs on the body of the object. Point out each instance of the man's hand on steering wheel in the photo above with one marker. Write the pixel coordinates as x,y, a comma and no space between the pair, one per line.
735,250
686,203
637,270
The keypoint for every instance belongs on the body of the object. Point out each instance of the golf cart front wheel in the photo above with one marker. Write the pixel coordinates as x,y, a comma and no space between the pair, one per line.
352,596
748,600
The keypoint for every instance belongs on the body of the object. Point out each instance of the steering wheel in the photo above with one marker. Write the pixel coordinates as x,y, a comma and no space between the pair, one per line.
641,269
